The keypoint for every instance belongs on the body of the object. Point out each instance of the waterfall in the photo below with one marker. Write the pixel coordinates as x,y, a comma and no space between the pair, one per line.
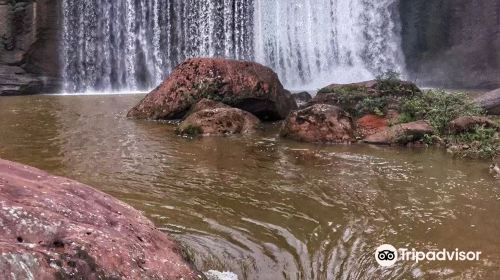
134,44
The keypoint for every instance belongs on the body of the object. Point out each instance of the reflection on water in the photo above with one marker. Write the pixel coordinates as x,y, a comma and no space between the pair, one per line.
263,207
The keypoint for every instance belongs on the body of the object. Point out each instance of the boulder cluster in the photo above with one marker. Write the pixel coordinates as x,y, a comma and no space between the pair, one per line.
219,97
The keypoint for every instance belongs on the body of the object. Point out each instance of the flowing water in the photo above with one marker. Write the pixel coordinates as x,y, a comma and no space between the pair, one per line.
263,207
132,44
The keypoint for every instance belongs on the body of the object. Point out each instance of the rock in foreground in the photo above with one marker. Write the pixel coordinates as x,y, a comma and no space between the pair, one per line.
245,85
56,228
320,123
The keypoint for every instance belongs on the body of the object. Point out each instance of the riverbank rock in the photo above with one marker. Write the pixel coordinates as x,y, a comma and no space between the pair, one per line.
490,101
401,134
320,123
367,97
370,124
56,228
469,123
218,122
245,85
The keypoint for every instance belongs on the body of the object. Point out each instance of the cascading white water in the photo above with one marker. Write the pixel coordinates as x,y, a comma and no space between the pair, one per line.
134,44
317,42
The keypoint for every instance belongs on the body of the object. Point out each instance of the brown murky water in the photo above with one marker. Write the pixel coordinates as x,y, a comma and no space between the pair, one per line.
263,207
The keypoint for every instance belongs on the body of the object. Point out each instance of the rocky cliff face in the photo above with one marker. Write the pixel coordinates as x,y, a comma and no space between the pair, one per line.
452,43
29,46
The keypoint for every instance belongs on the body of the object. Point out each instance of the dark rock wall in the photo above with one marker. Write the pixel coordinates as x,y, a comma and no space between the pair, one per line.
452,43
29,46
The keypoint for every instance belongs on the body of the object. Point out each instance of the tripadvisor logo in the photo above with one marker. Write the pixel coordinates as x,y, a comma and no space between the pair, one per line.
387,255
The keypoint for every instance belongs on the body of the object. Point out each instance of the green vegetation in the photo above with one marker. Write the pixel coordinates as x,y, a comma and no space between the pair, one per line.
439,108
389,83
480,143
373,105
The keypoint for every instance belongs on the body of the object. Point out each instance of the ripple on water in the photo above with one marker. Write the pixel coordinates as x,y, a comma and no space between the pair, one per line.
262,207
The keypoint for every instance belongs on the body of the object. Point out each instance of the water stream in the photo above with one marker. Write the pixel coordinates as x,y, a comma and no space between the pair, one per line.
263,207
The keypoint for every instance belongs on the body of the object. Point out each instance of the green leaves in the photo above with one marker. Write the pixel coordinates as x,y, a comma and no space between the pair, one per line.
439,108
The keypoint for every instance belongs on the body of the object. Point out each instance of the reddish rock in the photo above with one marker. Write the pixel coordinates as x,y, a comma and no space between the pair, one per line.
468,123
319,123
401,133
56,228
371,124
351,96
218,122
246,85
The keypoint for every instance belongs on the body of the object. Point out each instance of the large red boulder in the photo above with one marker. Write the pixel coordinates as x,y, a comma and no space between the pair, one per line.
56,228
245,85
320,123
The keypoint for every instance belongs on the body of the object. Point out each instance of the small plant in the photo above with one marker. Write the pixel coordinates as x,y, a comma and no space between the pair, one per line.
439,108
480,143
374,105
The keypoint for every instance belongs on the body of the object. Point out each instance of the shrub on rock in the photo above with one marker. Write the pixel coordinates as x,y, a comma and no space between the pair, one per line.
321,123
370,97
245,85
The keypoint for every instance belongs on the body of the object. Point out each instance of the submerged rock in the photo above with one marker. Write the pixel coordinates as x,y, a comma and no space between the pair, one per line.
245,85
321,123
469,123
490,101
219,121
401,134
56,228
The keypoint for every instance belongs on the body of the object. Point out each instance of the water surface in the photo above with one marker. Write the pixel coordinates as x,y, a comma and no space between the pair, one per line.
263,207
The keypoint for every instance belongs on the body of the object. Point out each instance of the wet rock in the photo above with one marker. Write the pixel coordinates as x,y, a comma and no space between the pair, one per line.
29,47
490,101
469,123
371,124
367,97
401,133
56,228
245,85
15,81
302,99
321,123
218,122
205,104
